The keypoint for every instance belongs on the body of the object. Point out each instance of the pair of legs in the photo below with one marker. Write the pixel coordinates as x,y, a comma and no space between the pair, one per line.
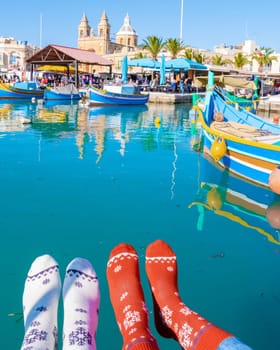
173,318
81,299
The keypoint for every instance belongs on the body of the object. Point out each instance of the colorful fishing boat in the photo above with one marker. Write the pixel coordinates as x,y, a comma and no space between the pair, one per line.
68,92
238,91
117,95
238,140
21,90
234,199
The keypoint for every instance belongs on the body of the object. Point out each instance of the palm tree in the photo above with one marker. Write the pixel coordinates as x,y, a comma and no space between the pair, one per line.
139,55
264,57
200,58
240,60
154,45
218,60
174,46
189,53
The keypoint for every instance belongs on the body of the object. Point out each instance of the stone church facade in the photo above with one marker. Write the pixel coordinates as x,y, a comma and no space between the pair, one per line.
101,42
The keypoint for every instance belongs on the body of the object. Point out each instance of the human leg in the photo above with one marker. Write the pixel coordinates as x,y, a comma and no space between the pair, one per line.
81,299
127,298
191,330
40,302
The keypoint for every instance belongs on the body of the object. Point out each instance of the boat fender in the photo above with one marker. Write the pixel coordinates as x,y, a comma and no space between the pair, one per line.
276,119
218,117
157,122
218,148
274,180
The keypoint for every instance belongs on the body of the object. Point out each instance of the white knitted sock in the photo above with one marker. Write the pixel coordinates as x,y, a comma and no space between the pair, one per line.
81,297
40,302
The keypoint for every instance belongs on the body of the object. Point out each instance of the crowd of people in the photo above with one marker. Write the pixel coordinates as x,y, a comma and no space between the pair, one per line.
81,301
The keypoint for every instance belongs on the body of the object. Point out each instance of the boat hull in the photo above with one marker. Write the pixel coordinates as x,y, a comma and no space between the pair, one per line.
252,156
103,97
53,95
8,92
64,93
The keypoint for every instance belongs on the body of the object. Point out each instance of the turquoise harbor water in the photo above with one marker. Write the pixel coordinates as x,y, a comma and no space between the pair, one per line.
78,181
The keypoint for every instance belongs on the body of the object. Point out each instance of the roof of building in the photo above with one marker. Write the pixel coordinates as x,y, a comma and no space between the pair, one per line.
55,54
126,28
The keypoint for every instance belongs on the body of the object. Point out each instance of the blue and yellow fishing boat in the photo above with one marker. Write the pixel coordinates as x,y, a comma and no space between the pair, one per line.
117,95
64,93
238,140
21,90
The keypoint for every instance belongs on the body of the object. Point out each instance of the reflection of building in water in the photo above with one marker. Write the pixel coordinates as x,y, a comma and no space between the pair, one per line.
100,127
121,124
86,129
82,125
121,135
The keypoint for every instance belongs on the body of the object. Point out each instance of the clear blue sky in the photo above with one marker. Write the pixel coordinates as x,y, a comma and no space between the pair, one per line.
205,23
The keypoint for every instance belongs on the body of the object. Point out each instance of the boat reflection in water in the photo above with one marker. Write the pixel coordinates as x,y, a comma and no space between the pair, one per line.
254,207
16,116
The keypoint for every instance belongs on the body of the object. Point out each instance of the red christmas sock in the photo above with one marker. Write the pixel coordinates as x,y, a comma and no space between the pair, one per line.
127,298
192,330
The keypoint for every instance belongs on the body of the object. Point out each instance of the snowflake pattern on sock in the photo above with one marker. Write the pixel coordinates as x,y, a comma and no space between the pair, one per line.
35,335
80,336
184,335
78,331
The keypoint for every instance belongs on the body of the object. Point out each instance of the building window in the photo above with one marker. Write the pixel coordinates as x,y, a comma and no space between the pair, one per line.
13,59
128,41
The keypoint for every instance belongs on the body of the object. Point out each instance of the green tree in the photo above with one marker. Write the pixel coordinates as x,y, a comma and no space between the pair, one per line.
139,55
240,60
218,60
264,57
198,57
154,45
188,53
174,46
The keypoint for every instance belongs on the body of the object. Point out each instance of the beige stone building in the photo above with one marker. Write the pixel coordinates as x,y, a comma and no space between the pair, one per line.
100,41
13,54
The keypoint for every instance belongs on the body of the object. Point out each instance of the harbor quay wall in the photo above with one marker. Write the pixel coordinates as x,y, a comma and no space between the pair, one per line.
161,97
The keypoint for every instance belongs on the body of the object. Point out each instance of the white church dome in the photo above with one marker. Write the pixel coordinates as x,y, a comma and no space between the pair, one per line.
126,28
